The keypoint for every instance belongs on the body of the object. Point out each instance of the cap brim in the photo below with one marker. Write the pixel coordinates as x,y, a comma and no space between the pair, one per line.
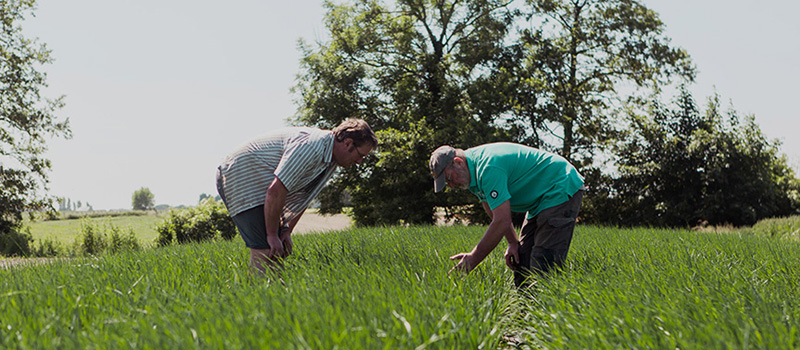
439,183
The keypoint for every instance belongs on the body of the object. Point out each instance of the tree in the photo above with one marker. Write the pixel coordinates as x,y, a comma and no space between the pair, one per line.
681,167
26,118
417,72
143,199
580,52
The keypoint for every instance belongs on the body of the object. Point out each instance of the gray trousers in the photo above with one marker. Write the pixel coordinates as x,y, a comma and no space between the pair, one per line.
545,239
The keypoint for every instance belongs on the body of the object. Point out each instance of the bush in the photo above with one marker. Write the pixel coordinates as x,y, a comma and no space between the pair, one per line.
785,227
94,241
47,248
71,215
16,243
119,241
208,220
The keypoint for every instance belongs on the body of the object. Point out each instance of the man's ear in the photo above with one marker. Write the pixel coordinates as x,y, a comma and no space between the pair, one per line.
459,162
348,142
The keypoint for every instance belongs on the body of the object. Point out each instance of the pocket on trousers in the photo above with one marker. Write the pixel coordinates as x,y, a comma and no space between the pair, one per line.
560,222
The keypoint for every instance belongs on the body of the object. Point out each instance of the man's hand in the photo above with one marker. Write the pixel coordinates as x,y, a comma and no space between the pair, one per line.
512,255
286,239
465,263
275,247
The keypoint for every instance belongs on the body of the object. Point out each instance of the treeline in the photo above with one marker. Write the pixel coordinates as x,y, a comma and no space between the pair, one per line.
67,204
579,78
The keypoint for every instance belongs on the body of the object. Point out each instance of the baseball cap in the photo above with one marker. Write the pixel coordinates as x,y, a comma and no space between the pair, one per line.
440,159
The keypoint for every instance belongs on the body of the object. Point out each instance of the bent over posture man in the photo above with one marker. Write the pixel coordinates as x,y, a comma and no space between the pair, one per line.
268,183
510,177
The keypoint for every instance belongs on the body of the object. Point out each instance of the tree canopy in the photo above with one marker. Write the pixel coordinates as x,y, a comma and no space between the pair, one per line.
27,119
431,72
678,166
579,54
143,199
412,72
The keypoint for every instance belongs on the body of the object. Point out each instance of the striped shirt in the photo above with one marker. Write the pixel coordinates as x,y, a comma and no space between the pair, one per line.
300,157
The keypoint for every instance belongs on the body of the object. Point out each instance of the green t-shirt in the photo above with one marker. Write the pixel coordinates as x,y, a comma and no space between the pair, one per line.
531,179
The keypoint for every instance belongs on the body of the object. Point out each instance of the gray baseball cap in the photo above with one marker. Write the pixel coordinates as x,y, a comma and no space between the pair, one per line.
440,159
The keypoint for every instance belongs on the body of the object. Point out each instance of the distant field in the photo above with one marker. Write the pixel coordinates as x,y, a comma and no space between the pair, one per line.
65,231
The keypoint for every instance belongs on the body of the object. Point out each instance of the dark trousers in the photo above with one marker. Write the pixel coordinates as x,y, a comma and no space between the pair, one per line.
545,239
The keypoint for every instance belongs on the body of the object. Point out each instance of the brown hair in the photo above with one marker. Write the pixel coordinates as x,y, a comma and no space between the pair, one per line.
357,130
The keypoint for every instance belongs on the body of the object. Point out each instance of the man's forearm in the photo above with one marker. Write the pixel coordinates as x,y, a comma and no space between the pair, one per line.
272,217
496,231
294,221
274,201
511,235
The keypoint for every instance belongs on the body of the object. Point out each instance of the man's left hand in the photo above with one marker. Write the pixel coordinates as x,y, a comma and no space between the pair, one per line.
512,255
286,239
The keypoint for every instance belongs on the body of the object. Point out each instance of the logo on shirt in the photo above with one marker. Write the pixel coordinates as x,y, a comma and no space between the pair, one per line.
493,194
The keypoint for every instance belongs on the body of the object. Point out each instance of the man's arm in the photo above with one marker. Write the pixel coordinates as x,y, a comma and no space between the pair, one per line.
500,227
273,206
286,233
511,235
487,209
294,221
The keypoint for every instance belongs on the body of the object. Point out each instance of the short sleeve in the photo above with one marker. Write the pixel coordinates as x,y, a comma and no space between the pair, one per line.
493,184
298,156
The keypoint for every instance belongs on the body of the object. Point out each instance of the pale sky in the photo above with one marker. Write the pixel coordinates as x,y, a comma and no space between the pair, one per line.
158,92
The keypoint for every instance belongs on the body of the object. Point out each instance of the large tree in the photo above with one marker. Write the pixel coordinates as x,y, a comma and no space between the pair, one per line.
428,72
27,119
411,71
586,58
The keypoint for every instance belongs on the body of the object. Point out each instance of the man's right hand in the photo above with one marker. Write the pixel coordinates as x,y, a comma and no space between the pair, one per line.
275,247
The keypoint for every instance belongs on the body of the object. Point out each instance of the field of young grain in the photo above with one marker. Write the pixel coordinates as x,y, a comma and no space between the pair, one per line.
388,288
65,231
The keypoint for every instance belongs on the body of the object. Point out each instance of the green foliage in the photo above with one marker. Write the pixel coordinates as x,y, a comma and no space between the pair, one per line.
110,239
15,243
682,168
70,215
48,248
208,220
65,231
390,178
143,199
91,241
411,71
784,227
576,54
26,118
451,72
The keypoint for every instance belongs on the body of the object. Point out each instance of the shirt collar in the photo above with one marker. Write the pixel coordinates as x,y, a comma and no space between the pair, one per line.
328,158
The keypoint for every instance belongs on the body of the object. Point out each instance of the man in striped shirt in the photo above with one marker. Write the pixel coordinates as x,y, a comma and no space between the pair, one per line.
268,183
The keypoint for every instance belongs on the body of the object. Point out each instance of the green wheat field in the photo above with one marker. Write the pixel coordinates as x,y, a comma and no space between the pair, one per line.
388,288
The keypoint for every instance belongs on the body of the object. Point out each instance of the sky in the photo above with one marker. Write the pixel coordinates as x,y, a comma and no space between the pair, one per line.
158,92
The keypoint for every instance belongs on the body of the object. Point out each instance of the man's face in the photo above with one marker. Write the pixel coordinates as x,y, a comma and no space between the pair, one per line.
457,175
352,154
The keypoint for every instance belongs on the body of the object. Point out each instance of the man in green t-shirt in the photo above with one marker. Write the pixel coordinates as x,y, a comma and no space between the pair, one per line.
509,177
